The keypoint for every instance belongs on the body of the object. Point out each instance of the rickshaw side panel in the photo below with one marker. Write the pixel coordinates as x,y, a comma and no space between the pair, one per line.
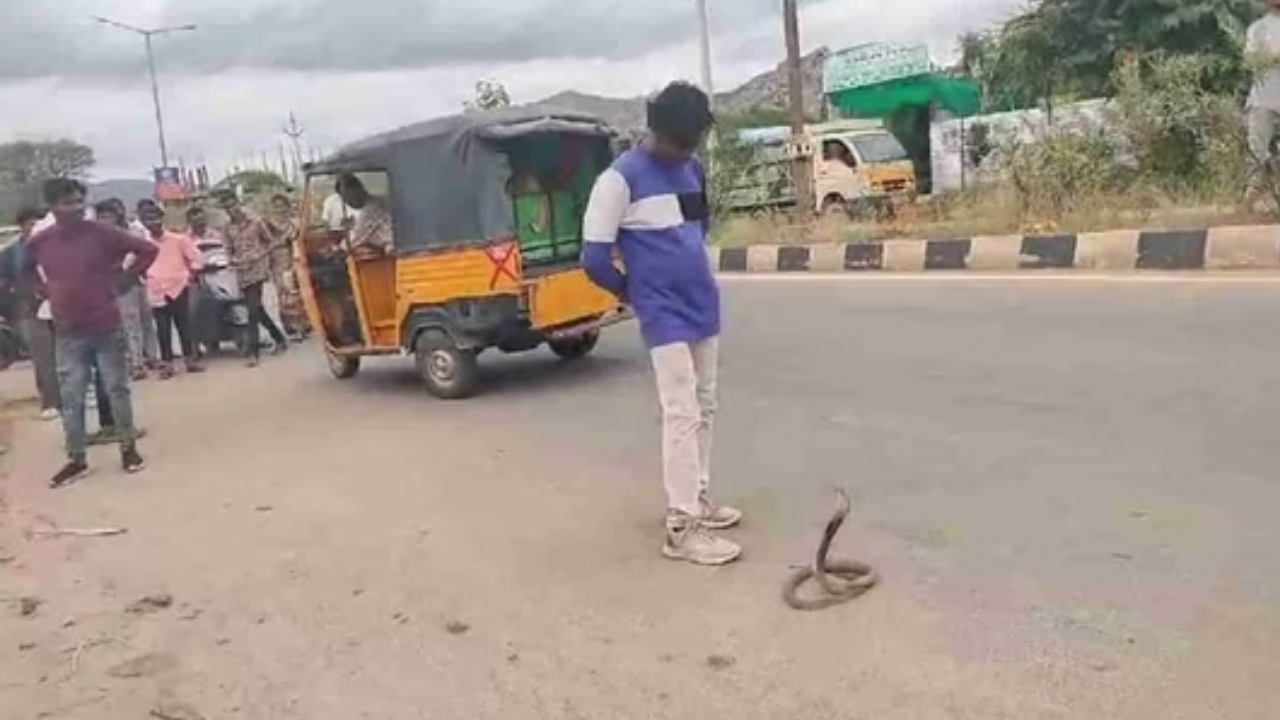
435,278
565,298
377,300
302,268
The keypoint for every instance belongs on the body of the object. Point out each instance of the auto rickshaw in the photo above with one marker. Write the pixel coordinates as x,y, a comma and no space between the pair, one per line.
485,212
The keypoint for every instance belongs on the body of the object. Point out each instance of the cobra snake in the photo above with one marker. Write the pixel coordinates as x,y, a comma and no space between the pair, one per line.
840,580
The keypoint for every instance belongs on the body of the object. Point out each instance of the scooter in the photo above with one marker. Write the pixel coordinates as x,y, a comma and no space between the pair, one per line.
219,304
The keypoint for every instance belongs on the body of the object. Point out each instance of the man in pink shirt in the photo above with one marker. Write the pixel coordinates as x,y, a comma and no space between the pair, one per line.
166,281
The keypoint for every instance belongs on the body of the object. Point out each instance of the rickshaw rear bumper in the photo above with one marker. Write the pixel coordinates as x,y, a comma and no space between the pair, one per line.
621,315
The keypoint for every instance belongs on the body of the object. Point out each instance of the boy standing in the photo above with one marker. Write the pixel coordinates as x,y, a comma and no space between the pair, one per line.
652,206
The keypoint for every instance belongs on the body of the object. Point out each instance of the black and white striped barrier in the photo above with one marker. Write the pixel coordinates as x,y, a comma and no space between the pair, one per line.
1249,247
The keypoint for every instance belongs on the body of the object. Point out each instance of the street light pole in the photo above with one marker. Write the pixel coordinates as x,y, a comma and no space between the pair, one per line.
704,47
155,100
147,35
704,37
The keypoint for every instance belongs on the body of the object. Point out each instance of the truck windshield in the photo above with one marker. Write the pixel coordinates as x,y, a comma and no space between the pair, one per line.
878,148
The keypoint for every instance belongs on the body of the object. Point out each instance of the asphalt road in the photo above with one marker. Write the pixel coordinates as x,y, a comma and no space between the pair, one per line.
1069,487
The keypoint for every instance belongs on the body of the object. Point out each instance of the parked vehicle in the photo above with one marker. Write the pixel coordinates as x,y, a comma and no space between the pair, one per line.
218,305
486,216
858,166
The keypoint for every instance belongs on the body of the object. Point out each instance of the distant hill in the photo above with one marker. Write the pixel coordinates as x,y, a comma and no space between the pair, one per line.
767,90
130,191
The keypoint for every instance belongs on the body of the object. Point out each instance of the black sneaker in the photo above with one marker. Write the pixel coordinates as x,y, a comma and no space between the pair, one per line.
131,460
75,469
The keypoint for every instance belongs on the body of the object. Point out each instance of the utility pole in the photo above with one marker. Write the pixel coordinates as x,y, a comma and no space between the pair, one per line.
294,132
147,34
704,44
708,86
802,167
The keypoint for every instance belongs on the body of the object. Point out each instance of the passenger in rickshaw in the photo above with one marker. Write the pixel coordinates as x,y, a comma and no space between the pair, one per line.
371,233
365,234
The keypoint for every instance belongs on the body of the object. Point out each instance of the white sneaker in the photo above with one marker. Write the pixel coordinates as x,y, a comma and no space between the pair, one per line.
688,539
718,517
49,414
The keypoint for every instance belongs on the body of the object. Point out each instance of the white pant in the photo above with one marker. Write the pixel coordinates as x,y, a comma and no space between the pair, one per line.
1261,124
686,377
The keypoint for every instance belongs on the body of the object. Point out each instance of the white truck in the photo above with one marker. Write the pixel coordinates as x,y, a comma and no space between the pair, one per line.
857,165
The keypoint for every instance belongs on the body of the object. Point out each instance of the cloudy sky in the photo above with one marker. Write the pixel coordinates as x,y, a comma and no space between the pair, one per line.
352,68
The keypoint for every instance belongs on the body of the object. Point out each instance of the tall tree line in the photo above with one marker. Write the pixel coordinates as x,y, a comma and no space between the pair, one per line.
1062,50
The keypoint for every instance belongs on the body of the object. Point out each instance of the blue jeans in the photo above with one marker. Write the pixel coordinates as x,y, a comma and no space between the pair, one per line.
77,357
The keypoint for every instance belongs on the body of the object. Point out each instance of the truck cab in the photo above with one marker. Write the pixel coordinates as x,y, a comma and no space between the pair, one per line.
856,164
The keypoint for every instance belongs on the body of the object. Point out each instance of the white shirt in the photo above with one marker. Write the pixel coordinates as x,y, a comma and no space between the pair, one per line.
335,211
1262,42
43,223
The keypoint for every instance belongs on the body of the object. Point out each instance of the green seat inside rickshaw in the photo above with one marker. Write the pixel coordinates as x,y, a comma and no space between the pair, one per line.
551,183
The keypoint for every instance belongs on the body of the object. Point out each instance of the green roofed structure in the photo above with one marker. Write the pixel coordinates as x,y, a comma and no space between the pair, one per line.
897,83
960,98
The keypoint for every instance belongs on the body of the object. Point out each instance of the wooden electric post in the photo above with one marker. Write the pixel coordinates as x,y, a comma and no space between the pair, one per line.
802,166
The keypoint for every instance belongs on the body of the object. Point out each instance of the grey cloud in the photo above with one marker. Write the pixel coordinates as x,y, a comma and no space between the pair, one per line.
39,38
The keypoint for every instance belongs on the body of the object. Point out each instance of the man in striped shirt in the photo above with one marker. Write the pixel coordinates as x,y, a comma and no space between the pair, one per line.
651,205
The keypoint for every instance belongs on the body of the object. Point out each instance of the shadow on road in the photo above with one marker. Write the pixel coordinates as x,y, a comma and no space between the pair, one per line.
511,376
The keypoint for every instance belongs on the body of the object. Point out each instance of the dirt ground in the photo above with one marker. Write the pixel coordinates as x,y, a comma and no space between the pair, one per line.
304,548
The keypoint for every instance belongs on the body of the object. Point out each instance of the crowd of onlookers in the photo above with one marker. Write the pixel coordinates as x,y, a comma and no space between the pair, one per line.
99,296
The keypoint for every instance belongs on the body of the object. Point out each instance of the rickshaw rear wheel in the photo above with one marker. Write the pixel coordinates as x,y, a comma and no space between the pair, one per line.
343,367
450,372
575,347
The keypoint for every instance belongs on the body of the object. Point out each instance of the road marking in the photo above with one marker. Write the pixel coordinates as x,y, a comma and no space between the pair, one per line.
1035,277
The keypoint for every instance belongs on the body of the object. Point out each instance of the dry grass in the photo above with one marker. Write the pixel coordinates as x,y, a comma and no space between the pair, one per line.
990,213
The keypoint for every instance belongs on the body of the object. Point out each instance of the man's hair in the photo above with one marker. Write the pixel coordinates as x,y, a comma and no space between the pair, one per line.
144,203
681,113
59,188
110,206
348,181
195,211
28,213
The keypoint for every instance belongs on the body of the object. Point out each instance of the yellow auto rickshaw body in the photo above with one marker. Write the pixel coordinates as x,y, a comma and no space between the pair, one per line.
485,215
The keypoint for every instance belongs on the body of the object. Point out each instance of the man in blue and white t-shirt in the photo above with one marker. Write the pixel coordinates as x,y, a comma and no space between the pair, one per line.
652,206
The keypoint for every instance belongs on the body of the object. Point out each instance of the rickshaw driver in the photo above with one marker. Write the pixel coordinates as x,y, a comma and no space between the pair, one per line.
372,231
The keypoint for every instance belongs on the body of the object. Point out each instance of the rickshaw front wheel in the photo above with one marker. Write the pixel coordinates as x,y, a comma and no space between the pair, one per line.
575,347
450,372
343,367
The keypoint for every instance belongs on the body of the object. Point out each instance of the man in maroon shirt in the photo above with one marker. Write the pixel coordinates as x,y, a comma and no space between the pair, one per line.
79,262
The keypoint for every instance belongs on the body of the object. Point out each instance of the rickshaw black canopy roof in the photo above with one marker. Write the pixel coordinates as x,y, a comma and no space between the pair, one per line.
448,176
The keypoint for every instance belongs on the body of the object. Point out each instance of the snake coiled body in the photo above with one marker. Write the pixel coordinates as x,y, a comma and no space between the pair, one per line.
840,580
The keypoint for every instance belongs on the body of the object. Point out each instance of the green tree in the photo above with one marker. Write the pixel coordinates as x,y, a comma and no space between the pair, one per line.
1067,49
254,182
25,163
489,94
